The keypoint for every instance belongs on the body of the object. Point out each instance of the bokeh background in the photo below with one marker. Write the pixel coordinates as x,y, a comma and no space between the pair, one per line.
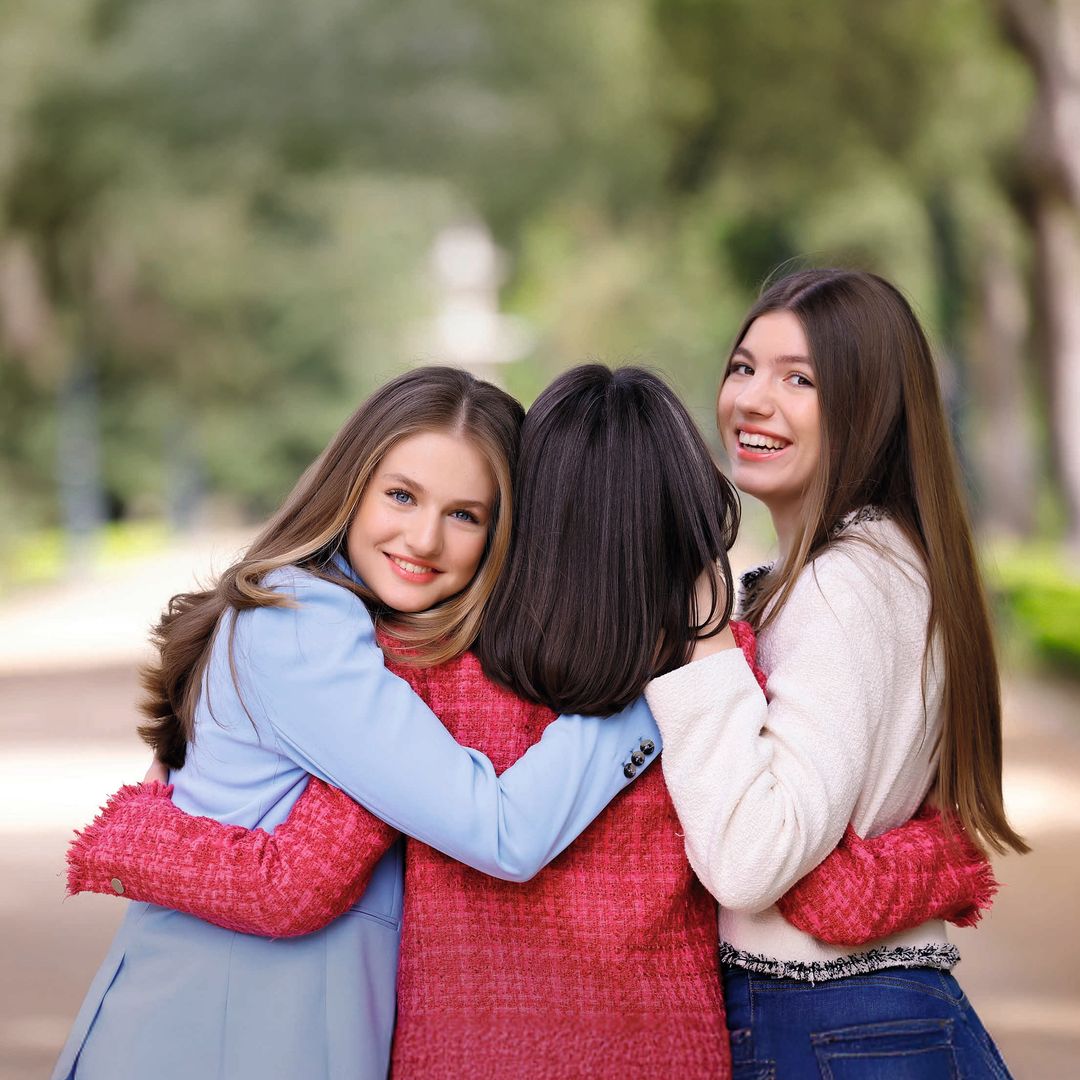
222,223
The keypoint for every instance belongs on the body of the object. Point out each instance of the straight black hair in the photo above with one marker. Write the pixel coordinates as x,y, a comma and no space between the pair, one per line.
618,507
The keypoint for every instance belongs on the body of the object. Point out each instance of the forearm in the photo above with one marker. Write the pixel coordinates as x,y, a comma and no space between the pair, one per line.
337,712
759,807
510,825
313,867
869,889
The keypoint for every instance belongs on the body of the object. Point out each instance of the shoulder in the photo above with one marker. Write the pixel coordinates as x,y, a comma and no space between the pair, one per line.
871,553
313,609
464,679
869,584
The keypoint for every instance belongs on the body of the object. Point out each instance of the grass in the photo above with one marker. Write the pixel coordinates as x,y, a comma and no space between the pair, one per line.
1037,601
42,557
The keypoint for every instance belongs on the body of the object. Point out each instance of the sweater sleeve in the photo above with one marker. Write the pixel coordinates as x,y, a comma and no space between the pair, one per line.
312,868
872,888
766,789
317,675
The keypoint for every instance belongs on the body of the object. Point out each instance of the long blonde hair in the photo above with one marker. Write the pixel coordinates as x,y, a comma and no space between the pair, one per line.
310,527
886,444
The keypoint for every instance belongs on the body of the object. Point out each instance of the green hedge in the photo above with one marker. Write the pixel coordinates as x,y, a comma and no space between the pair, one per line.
41,557
1038,604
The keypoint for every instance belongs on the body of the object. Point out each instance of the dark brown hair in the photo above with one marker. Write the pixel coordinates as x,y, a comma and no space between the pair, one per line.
619,507
886,443
310,527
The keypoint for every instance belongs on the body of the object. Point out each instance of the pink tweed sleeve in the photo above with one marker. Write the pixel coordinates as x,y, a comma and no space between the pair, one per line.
312,868
870,888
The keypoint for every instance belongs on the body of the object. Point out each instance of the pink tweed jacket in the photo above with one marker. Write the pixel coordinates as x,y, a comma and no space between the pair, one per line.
562,976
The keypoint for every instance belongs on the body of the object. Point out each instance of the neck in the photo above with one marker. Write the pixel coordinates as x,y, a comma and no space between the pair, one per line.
785,521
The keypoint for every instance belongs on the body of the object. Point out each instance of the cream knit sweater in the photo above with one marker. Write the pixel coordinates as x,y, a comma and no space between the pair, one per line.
764,790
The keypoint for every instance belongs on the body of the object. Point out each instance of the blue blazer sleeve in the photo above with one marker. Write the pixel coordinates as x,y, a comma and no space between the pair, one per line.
317,674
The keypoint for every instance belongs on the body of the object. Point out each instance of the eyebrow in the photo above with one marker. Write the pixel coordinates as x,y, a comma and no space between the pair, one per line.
787,358
401,478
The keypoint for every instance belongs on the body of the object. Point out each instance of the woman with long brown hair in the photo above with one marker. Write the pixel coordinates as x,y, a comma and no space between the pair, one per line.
882,682
273,676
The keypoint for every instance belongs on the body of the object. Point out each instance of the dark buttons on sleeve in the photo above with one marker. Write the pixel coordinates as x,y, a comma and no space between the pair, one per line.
637,757
647,746
629,770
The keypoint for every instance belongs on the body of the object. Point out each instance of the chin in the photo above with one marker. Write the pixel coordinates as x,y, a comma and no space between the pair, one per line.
407,606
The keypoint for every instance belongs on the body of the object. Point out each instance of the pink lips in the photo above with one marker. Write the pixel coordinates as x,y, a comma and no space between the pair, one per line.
409,575
744,454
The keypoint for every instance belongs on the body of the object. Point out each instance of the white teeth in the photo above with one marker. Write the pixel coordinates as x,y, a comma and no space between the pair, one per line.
411,568
761,442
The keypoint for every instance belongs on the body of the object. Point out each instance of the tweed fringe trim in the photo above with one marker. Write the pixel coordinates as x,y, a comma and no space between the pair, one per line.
752,579
985,887
80,850
941,956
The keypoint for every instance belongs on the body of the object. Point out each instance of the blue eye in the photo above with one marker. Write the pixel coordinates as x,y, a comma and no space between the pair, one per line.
464,515
403,498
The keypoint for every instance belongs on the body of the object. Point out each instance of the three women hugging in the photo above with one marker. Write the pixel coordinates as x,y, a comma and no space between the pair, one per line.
442,581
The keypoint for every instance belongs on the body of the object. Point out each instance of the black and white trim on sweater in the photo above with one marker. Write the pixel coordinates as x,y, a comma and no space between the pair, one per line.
942,956
753,579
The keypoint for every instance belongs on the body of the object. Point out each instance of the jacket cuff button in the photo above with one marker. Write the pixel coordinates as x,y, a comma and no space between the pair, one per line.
637,757
647,746
629,770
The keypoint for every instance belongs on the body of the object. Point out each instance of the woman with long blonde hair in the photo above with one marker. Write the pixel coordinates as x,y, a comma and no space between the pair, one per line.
273,676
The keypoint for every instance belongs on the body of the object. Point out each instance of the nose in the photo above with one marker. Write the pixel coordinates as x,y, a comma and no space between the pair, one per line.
755,396
424,536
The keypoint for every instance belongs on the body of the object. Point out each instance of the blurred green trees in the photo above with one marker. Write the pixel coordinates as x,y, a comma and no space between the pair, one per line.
216,219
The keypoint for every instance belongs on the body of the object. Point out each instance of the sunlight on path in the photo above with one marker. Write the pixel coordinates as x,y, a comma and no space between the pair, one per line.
48,789
1041,798
105,618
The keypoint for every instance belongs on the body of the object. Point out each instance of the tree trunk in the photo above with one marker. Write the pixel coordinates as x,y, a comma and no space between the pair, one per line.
1005,439
1057,228
78,462
1047,32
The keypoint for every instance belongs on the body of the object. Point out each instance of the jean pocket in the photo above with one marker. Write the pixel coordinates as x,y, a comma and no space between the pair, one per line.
897,1050
744,1064
754,1070
936,984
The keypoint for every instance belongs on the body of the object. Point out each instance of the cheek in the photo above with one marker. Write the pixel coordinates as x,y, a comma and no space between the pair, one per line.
368,527
360,529
812,438
725,403
468,553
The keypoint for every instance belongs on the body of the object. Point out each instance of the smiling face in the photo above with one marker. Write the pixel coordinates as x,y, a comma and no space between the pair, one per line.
769,416
422,524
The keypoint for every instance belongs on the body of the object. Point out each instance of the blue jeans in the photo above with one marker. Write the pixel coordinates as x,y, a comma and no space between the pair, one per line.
900,1024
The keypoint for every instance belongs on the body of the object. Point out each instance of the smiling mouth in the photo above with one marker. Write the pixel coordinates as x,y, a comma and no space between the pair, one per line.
760,445
411,569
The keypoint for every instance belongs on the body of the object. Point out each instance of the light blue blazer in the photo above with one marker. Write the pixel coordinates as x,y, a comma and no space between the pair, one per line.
179,999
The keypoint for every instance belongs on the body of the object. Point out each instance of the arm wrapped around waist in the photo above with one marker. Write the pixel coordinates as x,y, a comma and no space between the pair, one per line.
872,888
868,889
312,868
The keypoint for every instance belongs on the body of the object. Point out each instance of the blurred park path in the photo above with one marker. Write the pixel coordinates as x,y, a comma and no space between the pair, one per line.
67,719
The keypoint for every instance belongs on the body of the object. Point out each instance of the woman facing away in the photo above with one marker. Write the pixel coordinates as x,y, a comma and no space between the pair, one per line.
882,684
273,675
613,945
